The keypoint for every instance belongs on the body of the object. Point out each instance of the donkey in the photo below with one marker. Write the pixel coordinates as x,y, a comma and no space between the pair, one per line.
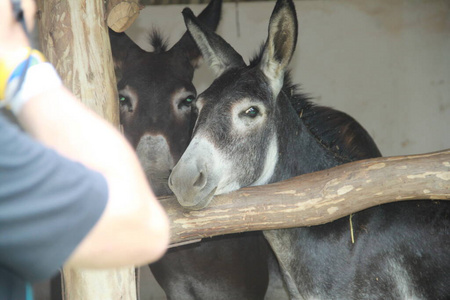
155,95
253,128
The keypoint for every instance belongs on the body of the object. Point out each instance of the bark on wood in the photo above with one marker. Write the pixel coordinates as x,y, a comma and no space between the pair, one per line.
75,39
315,198
120,14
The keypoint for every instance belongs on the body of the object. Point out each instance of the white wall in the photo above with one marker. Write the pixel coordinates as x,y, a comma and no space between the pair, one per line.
385,62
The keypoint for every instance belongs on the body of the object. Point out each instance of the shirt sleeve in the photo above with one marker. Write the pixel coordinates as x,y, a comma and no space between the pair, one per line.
48,204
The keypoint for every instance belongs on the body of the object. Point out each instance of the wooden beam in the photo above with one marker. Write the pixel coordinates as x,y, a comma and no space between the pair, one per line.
315,198
120,14
75,39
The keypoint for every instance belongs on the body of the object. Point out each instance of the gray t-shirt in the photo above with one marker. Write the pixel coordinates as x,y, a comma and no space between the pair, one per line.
48,204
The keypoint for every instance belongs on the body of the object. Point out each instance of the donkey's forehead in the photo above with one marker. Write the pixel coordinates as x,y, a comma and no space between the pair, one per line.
154,75
157,65
145,79
236,85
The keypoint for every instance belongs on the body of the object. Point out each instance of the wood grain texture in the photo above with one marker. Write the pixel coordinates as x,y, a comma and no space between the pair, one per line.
315,198
120,14
74,38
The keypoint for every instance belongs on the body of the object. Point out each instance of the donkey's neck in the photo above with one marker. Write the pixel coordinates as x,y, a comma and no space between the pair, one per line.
302,151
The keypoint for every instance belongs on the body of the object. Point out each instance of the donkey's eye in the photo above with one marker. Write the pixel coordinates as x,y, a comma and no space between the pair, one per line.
251,112
188,101
125,101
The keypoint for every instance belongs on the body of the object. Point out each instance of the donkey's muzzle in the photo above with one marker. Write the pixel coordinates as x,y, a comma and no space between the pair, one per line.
190,184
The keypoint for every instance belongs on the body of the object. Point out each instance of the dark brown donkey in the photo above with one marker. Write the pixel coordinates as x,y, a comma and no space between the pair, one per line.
155,94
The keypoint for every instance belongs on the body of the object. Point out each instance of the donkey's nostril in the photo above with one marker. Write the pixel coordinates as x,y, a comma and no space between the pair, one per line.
200,181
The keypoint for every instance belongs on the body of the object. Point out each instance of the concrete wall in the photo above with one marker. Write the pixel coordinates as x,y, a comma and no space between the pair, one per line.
385,62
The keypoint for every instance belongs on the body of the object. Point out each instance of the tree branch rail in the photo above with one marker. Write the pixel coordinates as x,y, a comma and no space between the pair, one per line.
315,198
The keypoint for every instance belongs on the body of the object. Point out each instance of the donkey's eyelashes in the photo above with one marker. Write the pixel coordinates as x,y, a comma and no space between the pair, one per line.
128,99
248,115
250,112
187,102
125,102
123,99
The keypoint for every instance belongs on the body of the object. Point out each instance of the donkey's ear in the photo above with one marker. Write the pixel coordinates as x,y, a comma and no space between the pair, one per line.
123,49
280,44
218,53
210,17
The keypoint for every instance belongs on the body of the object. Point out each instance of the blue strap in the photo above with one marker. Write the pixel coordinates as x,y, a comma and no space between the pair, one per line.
28,292
18,13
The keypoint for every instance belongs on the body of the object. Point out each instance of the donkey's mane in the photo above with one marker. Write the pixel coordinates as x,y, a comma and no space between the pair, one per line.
157,41
333,129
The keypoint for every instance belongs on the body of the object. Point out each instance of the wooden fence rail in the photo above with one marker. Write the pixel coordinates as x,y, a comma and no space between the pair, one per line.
315,198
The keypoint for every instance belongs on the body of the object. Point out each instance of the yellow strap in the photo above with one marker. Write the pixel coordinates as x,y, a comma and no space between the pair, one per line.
11,61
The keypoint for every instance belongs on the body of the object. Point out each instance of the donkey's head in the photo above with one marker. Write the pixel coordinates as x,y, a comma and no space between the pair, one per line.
235,137
155,96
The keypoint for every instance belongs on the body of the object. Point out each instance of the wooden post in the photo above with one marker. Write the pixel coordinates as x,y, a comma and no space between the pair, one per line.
74,38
